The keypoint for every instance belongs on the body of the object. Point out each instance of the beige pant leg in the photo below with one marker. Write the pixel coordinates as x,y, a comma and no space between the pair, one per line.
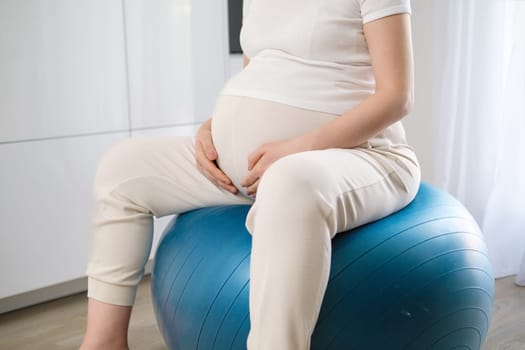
137,179
303,200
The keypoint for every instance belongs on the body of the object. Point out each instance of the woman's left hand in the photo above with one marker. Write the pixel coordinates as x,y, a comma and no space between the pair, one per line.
265,155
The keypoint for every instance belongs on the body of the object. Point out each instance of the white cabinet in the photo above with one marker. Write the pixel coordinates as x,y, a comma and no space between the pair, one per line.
178,59
76,76
61,68
46,208
210,53
158,34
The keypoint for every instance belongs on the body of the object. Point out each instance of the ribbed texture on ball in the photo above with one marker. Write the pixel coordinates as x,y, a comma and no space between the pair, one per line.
418,279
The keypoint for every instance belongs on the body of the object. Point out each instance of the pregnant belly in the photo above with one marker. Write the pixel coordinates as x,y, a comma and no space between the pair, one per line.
241,124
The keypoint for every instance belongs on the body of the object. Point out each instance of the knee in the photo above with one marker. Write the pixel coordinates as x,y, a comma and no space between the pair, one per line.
292,198
116,164
294,183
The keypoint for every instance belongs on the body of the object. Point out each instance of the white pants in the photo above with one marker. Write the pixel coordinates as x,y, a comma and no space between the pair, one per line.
303,200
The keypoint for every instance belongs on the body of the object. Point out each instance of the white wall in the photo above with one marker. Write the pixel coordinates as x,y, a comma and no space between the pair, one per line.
75,77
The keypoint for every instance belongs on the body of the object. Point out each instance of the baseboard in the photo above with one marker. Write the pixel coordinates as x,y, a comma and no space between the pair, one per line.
49,293
41,295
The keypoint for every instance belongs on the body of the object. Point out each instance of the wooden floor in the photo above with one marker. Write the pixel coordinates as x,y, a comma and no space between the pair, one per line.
60,324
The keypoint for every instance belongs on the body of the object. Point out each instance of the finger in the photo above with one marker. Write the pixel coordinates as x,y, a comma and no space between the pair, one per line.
207,174
210,166
254,157
252,190
250,178
208,147
211,171
217,173
204,145
198,147
227,186
199,151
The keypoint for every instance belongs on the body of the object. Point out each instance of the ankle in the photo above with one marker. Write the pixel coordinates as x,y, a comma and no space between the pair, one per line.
107,326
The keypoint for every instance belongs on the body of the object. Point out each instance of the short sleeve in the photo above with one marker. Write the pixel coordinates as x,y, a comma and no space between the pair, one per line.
245,8
375,9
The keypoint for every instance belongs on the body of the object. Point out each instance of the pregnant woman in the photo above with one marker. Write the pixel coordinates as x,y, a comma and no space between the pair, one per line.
308,132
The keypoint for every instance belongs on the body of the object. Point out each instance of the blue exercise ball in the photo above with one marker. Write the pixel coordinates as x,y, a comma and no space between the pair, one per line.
417,279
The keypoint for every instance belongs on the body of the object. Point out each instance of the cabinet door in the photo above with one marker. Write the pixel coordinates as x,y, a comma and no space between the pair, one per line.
158,37
45,213
210,53
178,60
62,68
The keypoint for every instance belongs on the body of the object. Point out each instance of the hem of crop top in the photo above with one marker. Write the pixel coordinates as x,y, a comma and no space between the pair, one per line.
337,110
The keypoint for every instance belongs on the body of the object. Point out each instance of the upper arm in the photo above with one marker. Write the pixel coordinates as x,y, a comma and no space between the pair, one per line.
390,47
245,60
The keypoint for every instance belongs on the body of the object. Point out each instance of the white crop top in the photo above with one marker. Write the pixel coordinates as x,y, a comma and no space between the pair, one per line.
310,54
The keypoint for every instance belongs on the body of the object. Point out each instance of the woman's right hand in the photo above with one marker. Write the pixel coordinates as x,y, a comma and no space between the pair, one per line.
206,155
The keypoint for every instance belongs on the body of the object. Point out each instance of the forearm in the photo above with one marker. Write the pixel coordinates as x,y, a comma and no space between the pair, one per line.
390,50
359,124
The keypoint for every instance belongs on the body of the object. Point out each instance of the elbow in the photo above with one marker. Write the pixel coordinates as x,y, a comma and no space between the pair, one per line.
406,104
398,101
402,103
